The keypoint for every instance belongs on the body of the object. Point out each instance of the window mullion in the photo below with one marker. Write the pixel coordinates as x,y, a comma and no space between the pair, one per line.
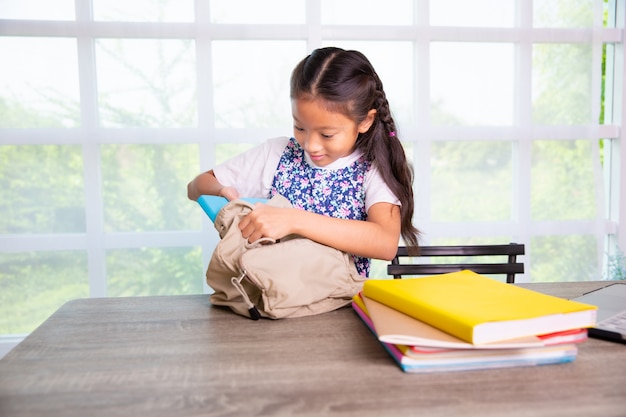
96,254
314,24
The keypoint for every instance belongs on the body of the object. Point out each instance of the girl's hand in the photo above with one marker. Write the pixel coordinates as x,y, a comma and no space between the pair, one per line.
230,193
377,237
266,221
206,183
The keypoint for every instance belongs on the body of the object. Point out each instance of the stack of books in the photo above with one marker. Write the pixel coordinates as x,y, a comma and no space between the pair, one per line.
465,321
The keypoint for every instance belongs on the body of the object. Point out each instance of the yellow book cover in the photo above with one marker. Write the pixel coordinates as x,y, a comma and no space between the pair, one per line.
478,309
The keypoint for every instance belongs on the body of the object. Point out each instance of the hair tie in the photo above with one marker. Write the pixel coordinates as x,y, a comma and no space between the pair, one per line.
392,134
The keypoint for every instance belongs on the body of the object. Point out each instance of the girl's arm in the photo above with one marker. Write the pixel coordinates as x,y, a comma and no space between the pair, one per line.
207,184
377,237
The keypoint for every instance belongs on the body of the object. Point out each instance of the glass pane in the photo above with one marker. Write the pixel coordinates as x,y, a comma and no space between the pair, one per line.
38,83
616,265
41,189
475,13
144,10
37,10
367,12
154,271
258,12
474,240
146,83
145,187
563,13
393,62
471,181
378,269
251,82
564,258
562,180
561,86
409,150
482,93
35,285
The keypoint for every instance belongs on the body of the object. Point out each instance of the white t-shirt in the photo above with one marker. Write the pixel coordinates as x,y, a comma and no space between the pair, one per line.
252,172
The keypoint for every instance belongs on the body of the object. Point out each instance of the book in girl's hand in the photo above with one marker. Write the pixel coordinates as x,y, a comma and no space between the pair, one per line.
212,204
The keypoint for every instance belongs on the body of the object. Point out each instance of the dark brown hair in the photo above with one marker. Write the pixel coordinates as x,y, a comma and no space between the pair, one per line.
345,82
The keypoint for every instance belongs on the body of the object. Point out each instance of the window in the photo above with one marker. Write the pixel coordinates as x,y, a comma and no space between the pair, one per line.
108,108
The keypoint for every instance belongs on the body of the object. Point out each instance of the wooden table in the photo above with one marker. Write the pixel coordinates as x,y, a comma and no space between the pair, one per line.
179,356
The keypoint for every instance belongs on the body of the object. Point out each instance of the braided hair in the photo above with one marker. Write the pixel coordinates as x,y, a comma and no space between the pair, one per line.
346,82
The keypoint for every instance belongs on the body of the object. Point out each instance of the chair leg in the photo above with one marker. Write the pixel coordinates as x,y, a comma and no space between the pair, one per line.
396,261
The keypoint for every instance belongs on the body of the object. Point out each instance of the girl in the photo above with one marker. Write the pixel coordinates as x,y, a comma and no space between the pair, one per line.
344,171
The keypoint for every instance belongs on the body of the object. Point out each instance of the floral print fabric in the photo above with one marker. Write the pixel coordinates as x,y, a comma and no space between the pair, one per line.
338,193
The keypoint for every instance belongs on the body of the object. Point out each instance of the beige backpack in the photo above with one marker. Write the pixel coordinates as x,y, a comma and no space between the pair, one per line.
292,277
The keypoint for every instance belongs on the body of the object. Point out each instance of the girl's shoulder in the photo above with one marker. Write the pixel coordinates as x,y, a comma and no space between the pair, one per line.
277,144
273,149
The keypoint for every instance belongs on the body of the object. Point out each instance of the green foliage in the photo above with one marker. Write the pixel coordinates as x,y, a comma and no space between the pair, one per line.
14,114
42,189
616,269
561,84
144,187
154,271
562,182
563,13
34,285
471,181
564,258
162,92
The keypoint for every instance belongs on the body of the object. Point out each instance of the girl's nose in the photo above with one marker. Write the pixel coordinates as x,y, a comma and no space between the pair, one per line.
312,144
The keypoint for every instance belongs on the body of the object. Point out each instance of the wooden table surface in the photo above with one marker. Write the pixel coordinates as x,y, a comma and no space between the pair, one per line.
180,356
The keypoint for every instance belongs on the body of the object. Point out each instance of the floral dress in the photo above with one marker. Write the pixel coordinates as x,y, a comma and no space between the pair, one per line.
338,193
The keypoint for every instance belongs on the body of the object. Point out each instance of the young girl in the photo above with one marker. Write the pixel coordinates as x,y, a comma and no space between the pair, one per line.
344,171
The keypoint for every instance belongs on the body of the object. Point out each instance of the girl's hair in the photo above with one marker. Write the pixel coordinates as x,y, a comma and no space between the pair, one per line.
345,82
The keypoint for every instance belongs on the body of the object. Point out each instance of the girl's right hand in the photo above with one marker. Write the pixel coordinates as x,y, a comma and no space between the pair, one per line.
267,221
207,184
230,193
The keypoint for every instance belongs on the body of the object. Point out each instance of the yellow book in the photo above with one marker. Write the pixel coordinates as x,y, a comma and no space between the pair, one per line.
478,309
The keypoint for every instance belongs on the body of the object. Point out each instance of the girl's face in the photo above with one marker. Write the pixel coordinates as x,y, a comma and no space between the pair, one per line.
324,135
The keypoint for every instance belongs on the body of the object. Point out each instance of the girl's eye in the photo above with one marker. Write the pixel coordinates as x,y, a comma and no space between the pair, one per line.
299,129
327,136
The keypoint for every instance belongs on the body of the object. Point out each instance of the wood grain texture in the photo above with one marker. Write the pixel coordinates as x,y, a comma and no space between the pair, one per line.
180,356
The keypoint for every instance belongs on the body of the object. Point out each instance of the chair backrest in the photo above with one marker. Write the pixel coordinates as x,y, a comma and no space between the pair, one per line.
509,268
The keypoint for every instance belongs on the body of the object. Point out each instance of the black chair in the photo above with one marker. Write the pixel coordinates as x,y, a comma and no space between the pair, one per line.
509,268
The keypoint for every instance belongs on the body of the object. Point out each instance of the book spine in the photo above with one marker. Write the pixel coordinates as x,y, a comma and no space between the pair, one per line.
391,349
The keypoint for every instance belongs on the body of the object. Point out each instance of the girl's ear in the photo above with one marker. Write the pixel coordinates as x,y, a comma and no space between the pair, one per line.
365,125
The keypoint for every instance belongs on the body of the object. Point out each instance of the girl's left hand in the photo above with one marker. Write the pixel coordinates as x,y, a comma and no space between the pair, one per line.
265,221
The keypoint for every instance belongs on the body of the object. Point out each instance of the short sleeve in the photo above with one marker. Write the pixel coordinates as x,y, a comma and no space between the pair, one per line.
377,190
252,172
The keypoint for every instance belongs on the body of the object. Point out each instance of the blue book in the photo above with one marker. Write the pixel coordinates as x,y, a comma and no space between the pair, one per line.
212,204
